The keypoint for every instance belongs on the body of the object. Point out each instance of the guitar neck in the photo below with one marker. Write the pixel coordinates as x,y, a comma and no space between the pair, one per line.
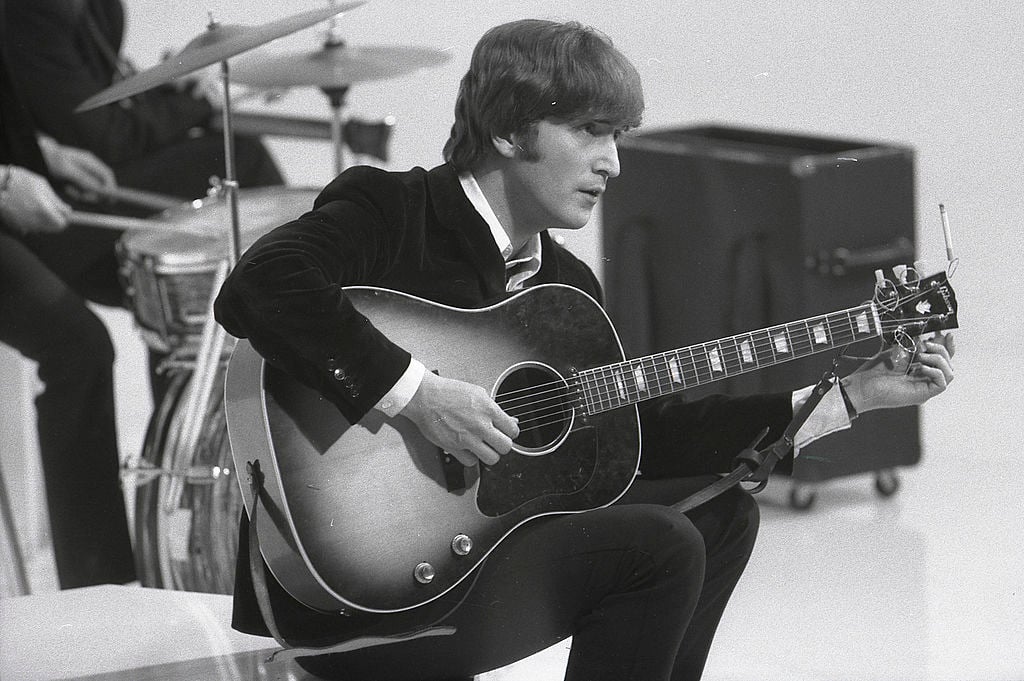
625,383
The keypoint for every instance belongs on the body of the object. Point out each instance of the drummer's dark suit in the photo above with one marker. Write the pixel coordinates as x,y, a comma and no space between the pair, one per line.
417,232
63,51
44,318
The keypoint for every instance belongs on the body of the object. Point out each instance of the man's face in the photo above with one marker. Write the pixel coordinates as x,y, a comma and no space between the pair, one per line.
561,175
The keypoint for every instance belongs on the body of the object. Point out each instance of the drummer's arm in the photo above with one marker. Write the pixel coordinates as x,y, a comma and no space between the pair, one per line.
77,166
53,79
286,296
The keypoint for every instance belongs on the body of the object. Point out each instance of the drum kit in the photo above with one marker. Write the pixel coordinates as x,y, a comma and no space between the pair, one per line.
187,499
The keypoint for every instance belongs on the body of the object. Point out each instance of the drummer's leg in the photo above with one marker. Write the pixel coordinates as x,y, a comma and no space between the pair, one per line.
49,323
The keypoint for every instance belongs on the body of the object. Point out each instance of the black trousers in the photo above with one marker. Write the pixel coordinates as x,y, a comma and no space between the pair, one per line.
640,588
47,321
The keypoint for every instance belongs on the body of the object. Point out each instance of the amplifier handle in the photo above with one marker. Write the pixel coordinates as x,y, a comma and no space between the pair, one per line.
841,261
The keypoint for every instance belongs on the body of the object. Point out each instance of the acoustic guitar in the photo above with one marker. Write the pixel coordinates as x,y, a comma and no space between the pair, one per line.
372,516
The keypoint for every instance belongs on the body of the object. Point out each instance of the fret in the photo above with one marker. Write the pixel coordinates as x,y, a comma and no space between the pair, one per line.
764,350
800,336
652,374
733,364
593,391
701,365
605,388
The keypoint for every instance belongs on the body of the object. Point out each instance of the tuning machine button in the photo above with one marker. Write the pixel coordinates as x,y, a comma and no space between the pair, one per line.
462,545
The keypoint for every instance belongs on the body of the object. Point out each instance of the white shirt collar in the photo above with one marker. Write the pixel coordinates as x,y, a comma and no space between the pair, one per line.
530,250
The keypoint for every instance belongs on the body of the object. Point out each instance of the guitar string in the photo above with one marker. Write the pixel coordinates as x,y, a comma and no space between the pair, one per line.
799,347
609,391
848,313
766,341
609,384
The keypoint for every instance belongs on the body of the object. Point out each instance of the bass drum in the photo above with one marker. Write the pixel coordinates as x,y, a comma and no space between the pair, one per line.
186,514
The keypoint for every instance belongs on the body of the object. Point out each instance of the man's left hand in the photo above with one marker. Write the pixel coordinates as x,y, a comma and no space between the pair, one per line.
898,378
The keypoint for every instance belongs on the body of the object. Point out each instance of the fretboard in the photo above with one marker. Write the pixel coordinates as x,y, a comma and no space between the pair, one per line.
624,383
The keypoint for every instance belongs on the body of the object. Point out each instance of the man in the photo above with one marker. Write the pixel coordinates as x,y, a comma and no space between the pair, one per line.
45,318
62,52
639,586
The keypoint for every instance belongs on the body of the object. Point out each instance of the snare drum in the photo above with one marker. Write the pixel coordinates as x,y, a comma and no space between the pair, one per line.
168,274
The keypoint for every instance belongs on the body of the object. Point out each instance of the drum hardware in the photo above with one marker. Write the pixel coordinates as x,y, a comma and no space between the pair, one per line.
362,137
145,473
333,68
201,421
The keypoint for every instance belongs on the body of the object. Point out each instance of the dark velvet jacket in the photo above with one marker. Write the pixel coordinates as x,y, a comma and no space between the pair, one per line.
417,232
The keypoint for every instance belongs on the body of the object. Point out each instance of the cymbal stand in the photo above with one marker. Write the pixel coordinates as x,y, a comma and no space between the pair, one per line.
211,347
336,96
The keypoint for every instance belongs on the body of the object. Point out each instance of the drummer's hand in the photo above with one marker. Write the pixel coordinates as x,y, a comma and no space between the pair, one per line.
77,166
30,204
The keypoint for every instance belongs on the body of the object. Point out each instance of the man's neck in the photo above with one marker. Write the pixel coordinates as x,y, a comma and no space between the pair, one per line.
493,186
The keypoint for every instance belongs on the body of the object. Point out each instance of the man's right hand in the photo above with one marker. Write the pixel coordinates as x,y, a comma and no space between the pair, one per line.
30,204
461,419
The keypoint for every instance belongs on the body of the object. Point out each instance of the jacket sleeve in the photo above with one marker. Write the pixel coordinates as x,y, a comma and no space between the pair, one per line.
56,70
286,296
684,438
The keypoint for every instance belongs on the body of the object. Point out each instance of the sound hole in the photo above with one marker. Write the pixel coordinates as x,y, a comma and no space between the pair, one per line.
537,396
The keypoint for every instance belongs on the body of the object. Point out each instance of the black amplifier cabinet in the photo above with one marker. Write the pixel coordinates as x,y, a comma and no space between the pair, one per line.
711,231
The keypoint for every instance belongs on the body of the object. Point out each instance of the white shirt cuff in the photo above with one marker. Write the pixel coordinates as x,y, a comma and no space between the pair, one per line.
828,417
403,390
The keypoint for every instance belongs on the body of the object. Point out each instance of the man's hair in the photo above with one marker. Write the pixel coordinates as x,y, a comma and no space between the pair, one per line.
530,70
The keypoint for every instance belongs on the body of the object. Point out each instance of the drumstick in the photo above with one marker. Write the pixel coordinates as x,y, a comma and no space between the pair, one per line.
139,197
121,223
118,222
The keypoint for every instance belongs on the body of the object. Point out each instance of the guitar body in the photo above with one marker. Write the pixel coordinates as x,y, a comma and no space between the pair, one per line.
352,512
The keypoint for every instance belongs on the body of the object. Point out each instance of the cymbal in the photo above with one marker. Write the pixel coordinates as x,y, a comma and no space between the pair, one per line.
216,44
334,65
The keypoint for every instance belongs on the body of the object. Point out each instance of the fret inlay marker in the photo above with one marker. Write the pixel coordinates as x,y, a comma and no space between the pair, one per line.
820,337
862,323
621,386
673,370
715,359
748,355
780,342
641,382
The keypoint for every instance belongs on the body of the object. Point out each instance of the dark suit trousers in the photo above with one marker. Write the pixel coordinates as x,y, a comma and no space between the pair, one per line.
639,587
48,322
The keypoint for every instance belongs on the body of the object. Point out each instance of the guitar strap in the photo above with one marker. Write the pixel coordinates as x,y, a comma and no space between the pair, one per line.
259,582
756,465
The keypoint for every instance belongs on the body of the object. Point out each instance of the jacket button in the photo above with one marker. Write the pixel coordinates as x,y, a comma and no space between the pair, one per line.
339,374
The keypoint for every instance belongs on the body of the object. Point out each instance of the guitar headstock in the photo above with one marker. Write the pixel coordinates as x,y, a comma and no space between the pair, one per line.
913,306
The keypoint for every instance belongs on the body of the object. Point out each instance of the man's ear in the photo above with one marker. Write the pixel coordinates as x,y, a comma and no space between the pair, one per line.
505,146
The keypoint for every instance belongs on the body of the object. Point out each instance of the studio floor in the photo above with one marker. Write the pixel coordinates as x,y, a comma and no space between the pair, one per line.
923,586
